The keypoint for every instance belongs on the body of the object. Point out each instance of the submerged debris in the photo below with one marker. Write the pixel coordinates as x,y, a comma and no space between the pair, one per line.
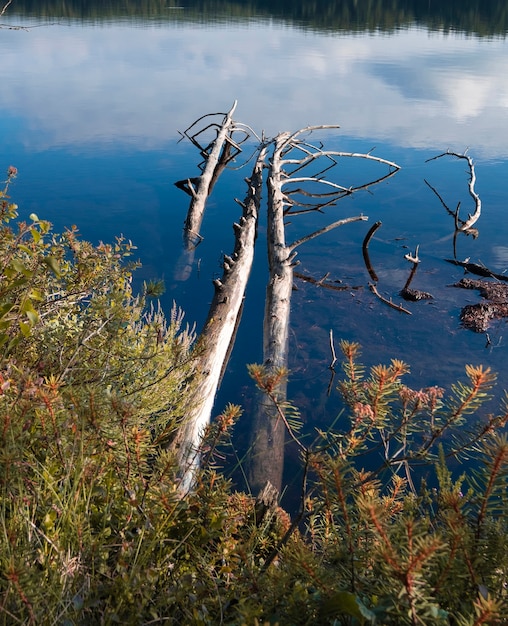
478,317
413,295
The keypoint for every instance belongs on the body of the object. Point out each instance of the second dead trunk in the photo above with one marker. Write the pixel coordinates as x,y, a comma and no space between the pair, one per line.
267,450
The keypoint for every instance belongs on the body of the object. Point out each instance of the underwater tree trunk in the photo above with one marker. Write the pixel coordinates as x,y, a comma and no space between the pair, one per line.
215,340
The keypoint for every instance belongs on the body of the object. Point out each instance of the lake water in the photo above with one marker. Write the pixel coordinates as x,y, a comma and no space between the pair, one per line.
91,106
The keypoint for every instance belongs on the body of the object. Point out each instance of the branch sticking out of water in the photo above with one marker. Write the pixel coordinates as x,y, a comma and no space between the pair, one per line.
461,225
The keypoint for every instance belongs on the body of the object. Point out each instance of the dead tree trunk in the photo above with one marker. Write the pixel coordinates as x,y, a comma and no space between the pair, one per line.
217,154
219,330
291,155
267,450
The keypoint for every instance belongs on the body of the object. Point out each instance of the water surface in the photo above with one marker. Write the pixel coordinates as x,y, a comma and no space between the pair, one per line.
90,111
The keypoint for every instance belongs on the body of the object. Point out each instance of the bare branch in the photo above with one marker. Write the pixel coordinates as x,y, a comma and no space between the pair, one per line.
325,229
472,219
397,307
332,348
5,8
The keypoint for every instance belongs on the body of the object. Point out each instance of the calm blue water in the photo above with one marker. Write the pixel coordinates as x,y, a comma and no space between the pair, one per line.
90,114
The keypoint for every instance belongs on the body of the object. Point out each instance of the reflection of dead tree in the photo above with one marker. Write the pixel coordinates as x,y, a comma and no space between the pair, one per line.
462,226
365,250
215,340
286,196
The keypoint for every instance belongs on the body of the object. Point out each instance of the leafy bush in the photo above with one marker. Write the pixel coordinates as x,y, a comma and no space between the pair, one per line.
93,530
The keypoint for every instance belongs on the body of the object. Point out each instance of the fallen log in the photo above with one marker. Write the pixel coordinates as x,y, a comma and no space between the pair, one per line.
213,346
291,155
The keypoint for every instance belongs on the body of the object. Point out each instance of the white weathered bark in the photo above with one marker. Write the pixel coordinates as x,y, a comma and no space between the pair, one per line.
215,339
472,218
200,188
267,448
268,438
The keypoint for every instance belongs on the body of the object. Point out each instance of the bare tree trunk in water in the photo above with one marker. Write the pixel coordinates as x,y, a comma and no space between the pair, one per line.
267,450
218,333
291,156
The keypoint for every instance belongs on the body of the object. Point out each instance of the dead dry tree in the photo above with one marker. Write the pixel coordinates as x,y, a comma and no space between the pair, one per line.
290,192
215,340
218,138
472,218
216,154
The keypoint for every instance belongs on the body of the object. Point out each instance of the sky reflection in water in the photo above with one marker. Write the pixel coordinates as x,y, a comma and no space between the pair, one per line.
76,86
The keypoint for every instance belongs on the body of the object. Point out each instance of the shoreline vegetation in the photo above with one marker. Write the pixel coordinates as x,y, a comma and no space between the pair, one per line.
483,18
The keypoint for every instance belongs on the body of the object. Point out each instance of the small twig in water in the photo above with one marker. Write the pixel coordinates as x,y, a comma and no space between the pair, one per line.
397,307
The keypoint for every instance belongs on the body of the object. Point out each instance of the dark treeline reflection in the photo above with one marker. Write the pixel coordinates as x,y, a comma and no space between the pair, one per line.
479,17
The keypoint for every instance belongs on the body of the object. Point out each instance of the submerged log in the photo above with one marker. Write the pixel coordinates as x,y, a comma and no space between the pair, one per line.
218,333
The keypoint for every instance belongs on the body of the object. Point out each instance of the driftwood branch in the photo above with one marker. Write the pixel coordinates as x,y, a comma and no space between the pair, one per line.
479,270
465,225
214,344
397,307
6,6
326,229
